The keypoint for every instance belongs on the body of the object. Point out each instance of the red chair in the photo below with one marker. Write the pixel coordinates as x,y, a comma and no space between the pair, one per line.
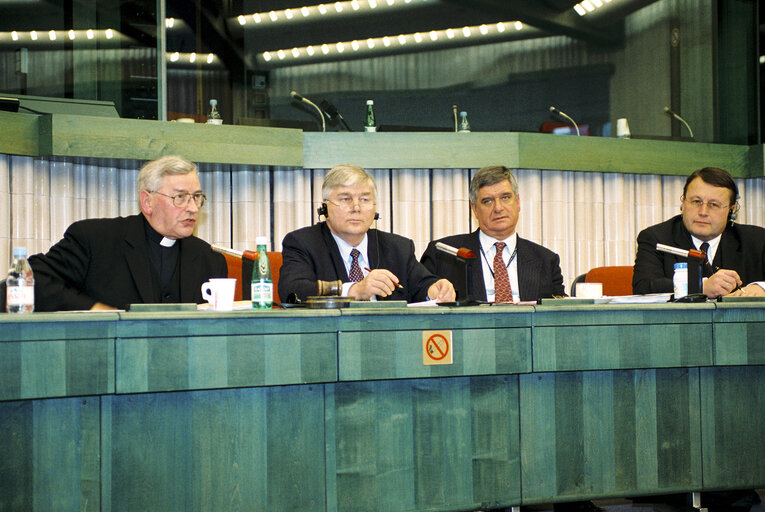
241,270
617,280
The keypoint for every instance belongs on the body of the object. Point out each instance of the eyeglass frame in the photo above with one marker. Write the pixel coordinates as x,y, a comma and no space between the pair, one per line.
199,202
712,206
505,200
364,203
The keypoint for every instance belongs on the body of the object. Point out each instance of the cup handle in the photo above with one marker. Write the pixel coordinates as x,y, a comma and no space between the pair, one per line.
207,292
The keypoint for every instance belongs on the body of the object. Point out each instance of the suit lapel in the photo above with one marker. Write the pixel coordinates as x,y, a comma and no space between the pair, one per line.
334,253
137,257
528,273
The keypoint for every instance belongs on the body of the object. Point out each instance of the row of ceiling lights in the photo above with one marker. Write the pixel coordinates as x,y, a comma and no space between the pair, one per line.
307,11
389,41
53,35
586,6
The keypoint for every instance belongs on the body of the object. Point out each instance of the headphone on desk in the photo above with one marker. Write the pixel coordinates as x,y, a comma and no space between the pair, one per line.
322,210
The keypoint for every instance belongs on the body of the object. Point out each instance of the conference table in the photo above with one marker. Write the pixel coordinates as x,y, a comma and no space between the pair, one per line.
379,409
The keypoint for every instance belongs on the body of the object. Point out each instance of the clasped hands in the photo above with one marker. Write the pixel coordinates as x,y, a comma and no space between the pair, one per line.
728,283
383,282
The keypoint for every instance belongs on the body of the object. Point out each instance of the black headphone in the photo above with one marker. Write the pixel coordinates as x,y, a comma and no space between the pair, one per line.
322,210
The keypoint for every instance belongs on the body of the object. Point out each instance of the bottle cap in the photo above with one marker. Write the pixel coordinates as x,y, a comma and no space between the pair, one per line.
370,102
463,114
261,240
19,252
681,266
213,102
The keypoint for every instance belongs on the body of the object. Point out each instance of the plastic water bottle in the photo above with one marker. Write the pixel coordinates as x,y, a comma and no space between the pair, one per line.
680,280
464,124
262,286
213,117
369,123
20,284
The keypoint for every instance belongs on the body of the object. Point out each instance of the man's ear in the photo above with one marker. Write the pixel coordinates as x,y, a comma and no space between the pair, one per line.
144,200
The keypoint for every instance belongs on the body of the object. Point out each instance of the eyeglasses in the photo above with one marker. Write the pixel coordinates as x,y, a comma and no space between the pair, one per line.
347,203
504,200
181,200
713,206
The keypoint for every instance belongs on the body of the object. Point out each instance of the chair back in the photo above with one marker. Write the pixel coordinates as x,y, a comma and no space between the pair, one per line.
239,268
617,280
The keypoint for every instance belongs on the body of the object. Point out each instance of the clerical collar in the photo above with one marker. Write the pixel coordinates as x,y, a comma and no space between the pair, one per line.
157,238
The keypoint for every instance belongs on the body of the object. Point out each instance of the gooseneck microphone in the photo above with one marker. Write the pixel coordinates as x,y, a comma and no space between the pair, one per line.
566,116
456,252
332,112
295,96
671,113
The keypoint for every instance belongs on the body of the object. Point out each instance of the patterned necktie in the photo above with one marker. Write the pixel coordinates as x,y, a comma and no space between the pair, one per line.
355,275
502,290
707,265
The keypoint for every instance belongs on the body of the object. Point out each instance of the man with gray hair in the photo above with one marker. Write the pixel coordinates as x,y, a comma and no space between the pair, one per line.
145,258
509,269
370,264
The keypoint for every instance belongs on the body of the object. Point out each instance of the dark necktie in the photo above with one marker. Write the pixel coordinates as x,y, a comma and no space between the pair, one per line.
502,290
707,265
355,275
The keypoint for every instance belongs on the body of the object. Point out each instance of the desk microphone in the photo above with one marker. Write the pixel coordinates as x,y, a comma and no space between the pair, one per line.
670,113
465,254
566,116
295,96
332,112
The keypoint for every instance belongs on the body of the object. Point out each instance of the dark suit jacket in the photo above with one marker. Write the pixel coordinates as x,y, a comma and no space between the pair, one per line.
539,274
310,254
106,260
742,248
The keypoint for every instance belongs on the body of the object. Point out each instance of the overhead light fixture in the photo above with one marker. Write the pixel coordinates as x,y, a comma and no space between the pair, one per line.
175,56
417,37
310,51
33,35
210,58
500,27
466,31
273,16
71,35
193,57
169,22
322,9
241,19
305,11
288,14
338,7
355,45
109,33
370,43
518,25
15,35
52,35
90,34
295,53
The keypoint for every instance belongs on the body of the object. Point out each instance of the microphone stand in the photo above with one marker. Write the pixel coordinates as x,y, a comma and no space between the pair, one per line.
695,260
463,257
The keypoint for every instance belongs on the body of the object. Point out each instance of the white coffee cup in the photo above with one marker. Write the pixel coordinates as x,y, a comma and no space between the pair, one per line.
219,292
589,290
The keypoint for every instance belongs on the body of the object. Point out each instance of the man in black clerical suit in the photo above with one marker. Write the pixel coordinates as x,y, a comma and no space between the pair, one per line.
370,263
532,270
736,253
146,258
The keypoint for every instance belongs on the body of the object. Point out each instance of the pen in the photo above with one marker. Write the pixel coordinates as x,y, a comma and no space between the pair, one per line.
397,284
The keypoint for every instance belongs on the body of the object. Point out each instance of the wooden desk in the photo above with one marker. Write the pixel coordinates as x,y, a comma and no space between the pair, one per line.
333,410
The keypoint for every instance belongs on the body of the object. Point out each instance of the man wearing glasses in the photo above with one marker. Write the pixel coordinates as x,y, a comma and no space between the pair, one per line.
151,257
508,268
735,252
371,264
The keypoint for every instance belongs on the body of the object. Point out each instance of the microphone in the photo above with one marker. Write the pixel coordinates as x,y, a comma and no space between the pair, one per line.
331,112
463,253
295,96
564,115
686,253
249,255
670,113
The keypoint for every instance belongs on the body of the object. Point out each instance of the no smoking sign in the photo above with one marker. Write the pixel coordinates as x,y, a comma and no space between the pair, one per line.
437,347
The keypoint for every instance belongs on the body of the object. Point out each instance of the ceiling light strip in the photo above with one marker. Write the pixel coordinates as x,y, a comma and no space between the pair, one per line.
323,10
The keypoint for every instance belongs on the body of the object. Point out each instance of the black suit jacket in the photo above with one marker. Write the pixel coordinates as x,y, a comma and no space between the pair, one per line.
742,248
310,254
539,274
106,260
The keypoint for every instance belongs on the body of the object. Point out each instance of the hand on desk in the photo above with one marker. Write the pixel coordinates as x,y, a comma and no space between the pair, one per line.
721,283
442,291
378,282
753,290
100,306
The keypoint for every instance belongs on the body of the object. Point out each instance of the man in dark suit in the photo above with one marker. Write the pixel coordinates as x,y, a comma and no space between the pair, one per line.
369,263
145,258
735,253
533,271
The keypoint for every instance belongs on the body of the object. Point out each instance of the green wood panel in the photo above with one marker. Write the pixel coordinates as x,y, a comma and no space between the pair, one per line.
601,347
436,444
732,419
258,449
40,369
436,318
609,433
369,355
206,362
739,334
57,326
99,137
49,455
19,134
623,314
